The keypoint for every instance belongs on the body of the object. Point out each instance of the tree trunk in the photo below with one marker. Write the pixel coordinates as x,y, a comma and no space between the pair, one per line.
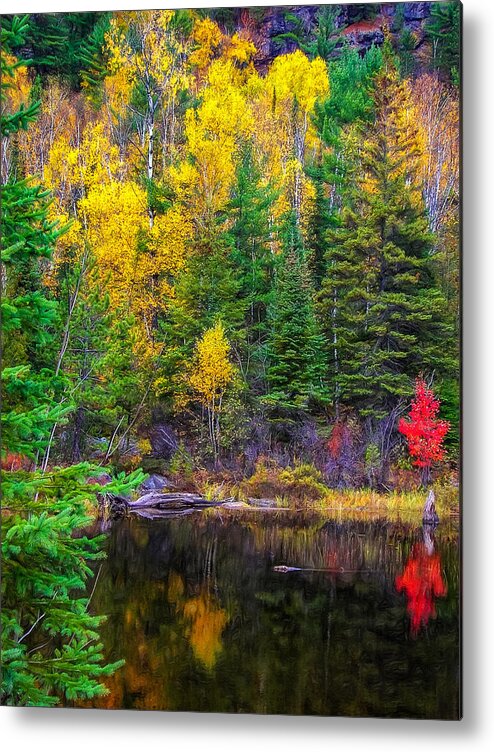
76,453
430,516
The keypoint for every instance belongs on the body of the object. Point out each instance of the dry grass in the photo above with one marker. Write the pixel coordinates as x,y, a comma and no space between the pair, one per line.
301,489
406,506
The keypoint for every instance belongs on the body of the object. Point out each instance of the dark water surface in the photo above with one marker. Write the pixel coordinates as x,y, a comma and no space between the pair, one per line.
205,623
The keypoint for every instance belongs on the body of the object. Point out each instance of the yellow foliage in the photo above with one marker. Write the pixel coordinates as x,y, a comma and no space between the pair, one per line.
437,110
213,370
294,76
207,37
114,214
16,87
176,587
213,133
144,446
155,56
282,105
94,161
136,264
241,50
168,240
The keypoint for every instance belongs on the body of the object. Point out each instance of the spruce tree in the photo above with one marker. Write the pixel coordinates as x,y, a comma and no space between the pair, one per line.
208,289
295,343
253,259
444,31
350,101
50,645
382,309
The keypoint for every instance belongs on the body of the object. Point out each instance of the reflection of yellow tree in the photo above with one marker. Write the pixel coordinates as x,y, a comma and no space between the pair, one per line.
207,622
205,619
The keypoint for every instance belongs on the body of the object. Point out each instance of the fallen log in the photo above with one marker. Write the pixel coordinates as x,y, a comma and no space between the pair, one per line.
157,500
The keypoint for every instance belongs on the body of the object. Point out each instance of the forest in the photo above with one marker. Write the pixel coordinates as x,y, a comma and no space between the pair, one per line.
231,259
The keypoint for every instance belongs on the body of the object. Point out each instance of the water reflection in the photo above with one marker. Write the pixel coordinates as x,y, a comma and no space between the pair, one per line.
422,581
204,619
205,622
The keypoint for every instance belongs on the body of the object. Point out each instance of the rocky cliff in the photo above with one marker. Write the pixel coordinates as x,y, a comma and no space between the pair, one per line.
281,29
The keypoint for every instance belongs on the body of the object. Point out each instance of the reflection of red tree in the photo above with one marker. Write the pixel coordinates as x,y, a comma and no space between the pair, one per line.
422,582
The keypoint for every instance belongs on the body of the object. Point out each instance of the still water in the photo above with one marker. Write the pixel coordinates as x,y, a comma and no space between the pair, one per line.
368,626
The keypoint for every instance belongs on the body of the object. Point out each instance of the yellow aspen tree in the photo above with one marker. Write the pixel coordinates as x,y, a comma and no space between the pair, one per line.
207,39
211,375
57,115
437,111
283,110
214,132
146,53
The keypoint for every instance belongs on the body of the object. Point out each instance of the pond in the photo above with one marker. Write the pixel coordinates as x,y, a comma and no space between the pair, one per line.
368,625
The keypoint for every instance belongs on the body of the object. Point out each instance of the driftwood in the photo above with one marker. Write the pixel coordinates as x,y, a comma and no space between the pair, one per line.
172,501
112,504
337,570
430,516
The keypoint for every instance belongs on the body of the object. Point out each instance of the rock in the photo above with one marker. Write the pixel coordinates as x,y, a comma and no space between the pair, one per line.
416,11
164,442
155,482
362,38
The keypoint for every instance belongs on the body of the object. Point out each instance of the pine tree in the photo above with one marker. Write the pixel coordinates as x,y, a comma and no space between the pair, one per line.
350,101
252,256
325,38
50,647
444,30
57,43
93,56
380,302
295,344
208,288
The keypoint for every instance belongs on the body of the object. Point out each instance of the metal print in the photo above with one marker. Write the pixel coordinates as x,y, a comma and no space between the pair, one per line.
230,377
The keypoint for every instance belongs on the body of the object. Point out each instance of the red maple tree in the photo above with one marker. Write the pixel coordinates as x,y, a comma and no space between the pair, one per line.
423,431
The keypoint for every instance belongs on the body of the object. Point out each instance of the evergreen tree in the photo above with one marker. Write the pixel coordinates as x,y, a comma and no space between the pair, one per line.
57,43
50,647
350,102
206,291
319,223
208,288
444,31
325,38
253,259
93,57
382,309
295,344
351,88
